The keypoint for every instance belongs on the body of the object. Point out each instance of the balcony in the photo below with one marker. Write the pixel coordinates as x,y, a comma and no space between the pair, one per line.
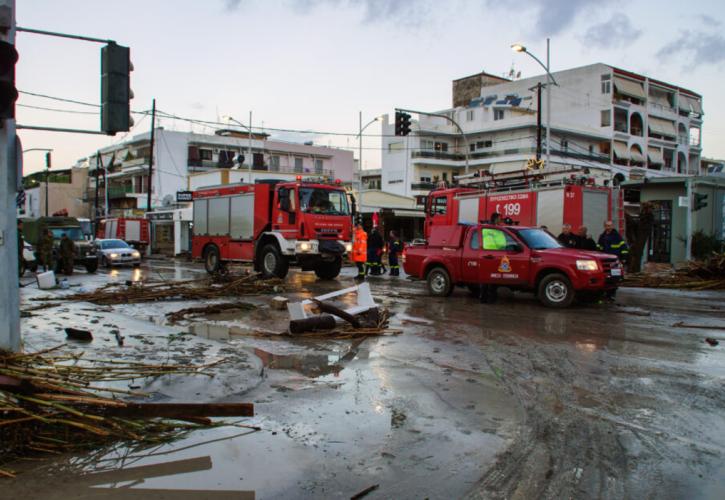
620,127
437,155
598,157
114,192
423,186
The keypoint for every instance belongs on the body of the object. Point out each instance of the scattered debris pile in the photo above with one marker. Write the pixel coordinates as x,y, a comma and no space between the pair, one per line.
210,309
692,275
52,402
372,322
208,288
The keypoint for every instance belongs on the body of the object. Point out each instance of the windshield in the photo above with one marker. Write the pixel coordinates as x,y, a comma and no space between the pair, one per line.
323,201
538,239
86,225
73,233
105,245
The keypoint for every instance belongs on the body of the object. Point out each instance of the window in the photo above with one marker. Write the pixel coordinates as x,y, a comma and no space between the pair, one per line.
606,117
426,177
591,149
484,144
498,114
440,205
298,165
445,176
471,147
441,146
564,145
470,115
396,147
606,84
426,144
205,154
318,166
274,163
474,241
496,239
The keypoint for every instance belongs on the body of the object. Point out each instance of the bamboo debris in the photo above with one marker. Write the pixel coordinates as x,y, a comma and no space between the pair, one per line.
55,405
691,275
210,309
216,286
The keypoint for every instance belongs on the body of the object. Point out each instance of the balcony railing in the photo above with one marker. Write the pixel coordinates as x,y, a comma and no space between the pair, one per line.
598,157
437,155
423,186
620,127
113,192
262,168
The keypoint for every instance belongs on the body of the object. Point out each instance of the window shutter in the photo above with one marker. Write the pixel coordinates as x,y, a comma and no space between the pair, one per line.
193,153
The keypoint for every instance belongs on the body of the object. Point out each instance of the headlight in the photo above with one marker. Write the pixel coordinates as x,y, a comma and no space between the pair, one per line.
113,255
587,265
348,247
136,254
305,246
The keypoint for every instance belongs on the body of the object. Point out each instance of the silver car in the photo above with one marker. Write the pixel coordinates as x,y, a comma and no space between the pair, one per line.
115,252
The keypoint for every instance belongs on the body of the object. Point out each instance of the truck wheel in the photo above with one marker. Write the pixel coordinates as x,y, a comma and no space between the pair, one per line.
212,260
328,270
92,266
439,282
555,290
274,265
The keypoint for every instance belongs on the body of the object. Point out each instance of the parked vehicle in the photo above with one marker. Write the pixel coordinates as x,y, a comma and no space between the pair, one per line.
135,232
273,224
527,198
531,260
85,256
116,252
31,263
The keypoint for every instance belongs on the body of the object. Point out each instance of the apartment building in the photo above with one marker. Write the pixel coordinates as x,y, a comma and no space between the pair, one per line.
613,124
179,155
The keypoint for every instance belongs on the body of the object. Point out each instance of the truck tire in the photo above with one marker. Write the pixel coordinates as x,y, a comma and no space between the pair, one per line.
212,259
92,266
274,265
556,291
328,270
439,282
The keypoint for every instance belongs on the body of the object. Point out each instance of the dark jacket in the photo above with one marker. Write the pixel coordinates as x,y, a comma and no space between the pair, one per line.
569,241
587,244
67,247
394,246
613,244
375,240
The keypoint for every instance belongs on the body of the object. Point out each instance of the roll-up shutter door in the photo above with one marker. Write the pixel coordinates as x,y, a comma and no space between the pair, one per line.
595,208
550,209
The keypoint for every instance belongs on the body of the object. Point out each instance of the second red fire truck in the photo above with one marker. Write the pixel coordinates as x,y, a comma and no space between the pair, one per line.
273,224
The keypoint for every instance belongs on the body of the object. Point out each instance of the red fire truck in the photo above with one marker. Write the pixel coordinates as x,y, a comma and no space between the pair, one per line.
273,224
135,232
528,199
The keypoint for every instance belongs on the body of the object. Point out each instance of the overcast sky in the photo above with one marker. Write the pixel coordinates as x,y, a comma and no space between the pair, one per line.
313,65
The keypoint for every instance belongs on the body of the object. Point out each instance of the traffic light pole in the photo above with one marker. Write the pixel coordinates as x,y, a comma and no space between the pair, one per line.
688,229
465,139
9,287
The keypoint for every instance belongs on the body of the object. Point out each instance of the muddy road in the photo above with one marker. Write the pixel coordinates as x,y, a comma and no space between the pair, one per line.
508,400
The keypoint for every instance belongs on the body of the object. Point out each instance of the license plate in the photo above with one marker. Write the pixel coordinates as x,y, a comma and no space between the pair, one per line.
616,272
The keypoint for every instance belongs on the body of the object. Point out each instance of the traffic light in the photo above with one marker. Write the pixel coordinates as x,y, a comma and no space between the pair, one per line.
700,202
402,123
47,160
8,92
116,92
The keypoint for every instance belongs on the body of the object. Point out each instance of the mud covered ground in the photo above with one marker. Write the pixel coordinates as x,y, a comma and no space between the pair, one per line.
510,400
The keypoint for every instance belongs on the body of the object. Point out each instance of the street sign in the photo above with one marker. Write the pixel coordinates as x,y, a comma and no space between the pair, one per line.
183,196
683,201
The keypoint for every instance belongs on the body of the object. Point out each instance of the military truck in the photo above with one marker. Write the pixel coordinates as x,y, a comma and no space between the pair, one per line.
85,256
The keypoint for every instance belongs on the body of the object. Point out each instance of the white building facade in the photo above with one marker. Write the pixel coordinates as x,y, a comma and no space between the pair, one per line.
611,123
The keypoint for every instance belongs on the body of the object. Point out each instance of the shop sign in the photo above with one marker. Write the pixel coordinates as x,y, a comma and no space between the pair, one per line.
183,196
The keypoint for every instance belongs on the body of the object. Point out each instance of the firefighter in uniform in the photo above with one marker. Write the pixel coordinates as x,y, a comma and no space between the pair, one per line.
394,248
360,251
375,250
46,250
492,239
611,242
67,251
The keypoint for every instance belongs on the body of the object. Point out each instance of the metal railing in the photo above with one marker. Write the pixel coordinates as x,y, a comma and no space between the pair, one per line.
423,186
598,157
438,155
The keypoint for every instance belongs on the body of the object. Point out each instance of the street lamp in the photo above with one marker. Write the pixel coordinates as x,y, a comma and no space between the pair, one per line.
47,170
549,79
359,160
249,129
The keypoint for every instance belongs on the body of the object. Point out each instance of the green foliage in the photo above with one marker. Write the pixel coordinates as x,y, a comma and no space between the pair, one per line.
703,244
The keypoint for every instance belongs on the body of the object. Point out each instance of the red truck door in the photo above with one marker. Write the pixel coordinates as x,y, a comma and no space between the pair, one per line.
500,263
286,222
439,211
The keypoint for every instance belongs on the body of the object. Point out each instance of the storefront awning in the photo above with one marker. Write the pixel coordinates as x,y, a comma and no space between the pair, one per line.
655,156
630,88
409,213
621,150
662,127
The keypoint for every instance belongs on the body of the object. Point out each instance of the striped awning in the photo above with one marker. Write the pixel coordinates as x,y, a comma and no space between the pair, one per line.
662,127
655,156
630,88
636,154
621,150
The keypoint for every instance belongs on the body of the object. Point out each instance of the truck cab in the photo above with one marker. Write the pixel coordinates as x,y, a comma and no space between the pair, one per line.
85,256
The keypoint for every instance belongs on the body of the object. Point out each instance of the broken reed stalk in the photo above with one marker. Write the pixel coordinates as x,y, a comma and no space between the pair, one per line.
691,275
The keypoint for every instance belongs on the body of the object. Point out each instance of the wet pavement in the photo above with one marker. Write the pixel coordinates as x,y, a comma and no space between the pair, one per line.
509,400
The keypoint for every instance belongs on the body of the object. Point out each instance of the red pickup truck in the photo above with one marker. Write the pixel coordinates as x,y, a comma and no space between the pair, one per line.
519,258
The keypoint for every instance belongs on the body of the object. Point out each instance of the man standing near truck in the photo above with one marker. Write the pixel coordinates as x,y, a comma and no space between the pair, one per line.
67,252
611,242
394,248
375,251
359,251
492,239
46,250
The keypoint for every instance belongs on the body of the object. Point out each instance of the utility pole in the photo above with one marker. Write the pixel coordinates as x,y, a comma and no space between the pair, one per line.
537,87
95,213
151,156
9,287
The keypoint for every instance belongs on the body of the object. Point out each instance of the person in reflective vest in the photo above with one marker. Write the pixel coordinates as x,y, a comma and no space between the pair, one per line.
359,250
611,242
394,248
492,239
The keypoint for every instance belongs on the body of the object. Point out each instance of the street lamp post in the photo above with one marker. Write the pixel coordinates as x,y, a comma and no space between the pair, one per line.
47,172
249,129
549,79
359,160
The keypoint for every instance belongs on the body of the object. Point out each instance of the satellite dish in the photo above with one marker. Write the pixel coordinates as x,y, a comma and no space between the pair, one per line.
168,200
